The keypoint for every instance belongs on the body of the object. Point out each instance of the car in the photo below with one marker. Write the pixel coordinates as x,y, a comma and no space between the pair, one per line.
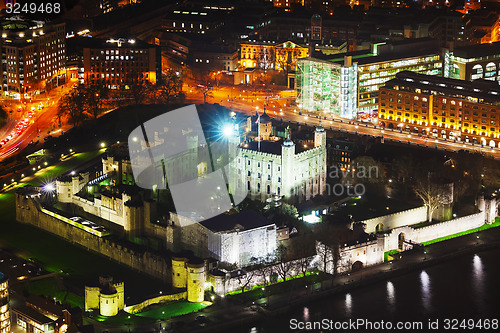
76,218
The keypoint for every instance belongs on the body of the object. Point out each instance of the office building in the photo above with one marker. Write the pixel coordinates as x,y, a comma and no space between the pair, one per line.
33,56
442,107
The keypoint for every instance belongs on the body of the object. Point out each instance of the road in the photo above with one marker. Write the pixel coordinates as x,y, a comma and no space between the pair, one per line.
247,100
44,120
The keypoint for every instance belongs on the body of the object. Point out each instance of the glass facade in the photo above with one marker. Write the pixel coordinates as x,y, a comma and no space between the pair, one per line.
318,85
330,87
374,75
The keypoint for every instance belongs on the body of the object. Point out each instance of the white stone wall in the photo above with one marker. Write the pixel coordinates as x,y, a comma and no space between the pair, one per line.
433,231
391,221
240,247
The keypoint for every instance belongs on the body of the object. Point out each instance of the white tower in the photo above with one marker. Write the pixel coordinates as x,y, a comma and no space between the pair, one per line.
319,136
287,166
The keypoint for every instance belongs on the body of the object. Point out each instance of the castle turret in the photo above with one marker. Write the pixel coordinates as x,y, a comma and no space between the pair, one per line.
179,273
265,126
287,166
196,282
319,136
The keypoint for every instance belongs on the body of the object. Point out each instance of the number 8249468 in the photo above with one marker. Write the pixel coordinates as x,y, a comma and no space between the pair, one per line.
31,7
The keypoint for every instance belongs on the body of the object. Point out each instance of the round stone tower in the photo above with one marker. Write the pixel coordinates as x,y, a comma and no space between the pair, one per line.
196,282
179,273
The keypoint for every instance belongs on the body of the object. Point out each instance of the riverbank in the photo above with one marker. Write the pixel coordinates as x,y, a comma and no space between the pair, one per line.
409,262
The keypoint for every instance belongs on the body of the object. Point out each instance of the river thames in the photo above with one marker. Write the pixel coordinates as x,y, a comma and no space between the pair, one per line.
447,293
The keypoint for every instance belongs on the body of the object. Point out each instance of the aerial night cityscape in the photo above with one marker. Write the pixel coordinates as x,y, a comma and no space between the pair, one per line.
249,166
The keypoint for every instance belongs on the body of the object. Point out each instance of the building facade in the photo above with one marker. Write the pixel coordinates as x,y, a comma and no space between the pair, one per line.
442,107
473,62
33,56
120,62
281,56
347,84
279,167
4,304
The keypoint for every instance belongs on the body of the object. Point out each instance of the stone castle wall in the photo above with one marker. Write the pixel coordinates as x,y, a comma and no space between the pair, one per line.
400,219
433,231
157,300
27,211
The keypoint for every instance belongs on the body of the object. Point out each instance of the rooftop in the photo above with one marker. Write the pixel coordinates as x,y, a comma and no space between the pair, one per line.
386,52
32,314
246,221
477,50
487,91
272,147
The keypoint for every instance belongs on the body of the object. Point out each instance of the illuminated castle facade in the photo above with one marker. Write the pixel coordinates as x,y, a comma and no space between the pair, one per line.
189,275
269,166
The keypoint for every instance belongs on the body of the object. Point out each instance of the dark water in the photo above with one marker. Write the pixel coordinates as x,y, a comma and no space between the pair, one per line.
467,287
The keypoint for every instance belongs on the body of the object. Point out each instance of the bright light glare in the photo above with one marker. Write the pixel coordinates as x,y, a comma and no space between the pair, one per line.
49,188
227,130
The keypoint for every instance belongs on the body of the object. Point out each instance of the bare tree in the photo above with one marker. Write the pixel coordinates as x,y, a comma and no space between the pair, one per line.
264,268
431,194
244,278
284,265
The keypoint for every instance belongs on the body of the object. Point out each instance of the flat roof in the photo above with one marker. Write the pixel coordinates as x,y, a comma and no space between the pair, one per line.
32,314
488,91
247,220
477,50
271,147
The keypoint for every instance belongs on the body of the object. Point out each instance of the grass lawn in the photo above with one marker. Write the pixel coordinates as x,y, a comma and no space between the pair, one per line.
57,255
481,228
50,287
123,318
371,205
173,309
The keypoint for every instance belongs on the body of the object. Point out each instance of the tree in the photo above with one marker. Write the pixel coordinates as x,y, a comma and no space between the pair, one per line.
302,249
73,106
94,94
138,91
167,89
244,278
328,247
264,268
431,194
284,265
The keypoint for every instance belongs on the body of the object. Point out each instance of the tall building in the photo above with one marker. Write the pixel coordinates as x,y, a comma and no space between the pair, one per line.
4,304
33,56
347,84
442,107
119,62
